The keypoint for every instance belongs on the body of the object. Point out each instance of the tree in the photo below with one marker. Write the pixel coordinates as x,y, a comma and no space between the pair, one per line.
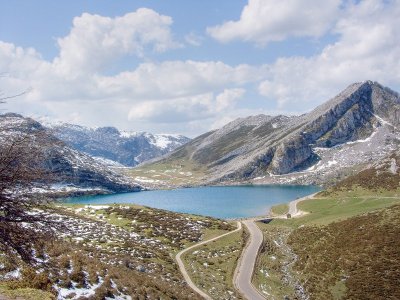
24,147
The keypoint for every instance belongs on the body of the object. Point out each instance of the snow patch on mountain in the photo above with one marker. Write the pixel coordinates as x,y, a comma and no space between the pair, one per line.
126,148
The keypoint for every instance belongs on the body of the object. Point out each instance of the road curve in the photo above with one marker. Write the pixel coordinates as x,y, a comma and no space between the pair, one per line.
245,268
182,266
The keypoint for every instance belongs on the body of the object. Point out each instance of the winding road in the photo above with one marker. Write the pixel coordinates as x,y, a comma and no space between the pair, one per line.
245,268
182,266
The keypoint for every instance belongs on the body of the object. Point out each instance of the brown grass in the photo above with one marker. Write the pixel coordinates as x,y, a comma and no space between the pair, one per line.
358,258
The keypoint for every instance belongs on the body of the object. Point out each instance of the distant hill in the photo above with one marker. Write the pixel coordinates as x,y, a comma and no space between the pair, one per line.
114,147
336,139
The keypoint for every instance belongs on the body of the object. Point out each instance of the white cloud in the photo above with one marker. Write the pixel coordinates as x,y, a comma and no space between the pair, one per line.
167,92
187,109
263,21
172,79
228,98
368,47
96,41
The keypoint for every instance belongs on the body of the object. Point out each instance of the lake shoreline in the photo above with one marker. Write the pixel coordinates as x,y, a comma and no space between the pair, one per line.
224,202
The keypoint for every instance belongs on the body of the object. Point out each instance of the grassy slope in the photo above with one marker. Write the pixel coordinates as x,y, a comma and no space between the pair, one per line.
116,260
357,258
168,174
280,209
339,207
25,293
212,265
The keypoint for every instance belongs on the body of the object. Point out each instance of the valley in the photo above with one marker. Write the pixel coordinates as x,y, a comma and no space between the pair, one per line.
185,150
113,238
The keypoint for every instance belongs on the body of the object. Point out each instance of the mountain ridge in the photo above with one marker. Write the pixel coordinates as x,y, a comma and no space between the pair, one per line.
281,149
121,147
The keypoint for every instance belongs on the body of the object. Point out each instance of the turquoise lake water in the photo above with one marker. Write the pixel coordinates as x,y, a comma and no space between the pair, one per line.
221,201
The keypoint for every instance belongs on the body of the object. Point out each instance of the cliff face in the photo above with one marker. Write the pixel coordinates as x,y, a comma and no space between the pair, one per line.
269,146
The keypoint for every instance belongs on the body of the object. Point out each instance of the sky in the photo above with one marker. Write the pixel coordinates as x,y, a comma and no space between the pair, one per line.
187,67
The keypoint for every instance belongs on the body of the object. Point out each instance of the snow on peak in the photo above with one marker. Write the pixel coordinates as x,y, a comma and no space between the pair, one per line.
161,140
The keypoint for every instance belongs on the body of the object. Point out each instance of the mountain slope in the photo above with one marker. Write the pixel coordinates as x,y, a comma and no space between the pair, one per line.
363,118
72,171
125,148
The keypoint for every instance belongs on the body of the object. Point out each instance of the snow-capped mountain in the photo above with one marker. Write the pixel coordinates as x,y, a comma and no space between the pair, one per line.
72,171
117,148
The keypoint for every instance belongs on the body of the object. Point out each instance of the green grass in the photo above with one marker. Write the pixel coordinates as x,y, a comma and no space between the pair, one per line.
280,209
211,266
25,293
323,211
116,220
169,174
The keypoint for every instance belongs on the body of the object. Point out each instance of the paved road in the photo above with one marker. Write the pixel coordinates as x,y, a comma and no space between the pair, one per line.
182,266
245,268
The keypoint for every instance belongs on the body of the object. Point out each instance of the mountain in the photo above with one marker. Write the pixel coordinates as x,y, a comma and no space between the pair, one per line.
72,171
343,135
117,148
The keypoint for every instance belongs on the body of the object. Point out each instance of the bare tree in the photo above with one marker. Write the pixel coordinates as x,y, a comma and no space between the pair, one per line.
24,147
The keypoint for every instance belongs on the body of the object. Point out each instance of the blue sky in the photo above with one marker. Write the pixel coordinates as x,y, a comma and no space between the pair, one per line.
190,66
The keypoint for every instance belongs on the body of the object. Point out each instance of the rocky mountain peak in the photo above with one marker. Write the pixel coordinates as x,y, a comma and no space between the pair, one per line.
267,146
108,130
117,148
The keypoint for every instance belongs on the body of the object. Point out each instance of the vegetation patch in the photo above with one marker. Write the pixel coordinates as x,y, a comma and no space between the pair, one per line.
211,266
377,178
273,271
357,258
280,209
25,293
111,251
340,206
168,174
325,254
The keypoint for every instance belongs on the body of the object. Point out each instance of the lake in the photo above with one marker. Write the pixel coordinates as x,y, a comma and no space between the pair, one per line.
217,201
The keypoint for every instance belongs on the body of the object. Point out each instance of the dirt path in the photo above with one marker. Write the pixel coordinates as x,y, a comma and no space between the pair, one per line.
245,268
182,266
293,211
